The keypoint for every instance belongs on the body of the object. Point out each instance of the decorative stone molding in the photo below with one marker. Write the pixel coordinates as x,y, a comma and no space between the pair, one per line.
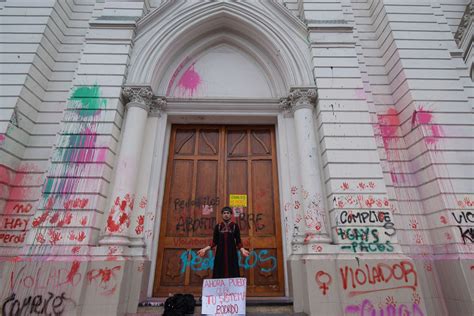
303,96
298,98
158,106
139,96
285,106
465,21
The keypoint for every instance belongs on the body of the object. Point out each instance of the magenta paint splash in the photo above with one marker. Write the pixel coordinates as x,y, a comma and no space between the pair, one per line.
176,73
102,152
389,124
2,138
434,131
190,81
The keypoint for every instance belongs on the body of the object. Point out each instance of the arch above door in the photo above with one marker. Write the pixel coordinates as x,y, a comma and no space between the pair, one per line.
269,43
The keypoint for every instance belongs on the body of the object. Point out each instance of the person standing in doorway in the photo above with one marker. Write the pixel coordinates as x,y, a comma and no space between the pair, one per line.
227,241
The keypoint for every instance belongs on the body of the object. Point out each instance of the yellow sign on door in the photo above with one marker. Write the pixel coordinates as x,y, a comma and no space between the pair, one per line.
238,200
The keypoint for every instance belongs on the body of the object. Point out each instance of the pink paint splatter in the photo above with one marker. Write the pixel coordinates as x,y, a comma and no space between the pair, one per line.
101,155
424,117
2,138
190,81
176,73
389,124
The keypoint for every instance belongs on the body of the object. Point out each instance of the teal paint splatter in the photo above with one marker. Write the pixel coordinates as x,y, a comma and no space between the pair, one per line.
87,100
79,148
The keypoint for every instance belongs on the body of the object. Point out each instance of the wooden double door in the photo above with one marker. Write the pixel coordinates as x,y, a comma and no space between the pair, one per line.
206,165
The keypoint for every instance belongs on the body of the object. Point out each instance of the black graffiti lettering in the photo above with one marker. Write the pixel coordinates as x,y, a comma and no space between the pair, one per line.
45,306
191,224
26,303
15,308
180,204
251,221
467,234
389,226
463,217
58,307
343,217
36,303
5,303
52,305
364,217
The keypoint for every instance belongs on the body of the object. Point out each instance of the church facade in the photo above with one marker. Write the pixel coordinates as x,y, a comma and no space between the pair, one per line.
339,131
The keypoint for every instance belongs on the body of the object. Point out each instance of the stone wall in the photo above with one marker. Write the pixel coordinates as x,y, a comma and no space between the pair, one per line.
392,230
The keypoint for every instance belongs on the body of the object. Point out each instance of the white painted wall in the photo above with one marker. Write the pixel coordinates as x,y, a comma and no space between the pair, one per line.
393,121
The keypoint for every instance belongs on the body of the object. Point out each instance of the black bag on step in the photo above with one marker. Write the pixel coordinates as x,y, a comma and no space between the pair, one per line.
179,305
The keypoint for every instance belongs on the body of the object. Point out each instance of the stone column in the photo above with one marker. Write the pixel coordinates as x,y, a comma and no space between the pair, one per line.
119,212
139,215
301,102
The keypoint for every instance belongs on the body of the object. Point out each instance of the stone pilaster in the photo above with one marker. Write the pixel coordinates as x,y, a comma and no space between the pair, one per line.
120,210
314,229
139,215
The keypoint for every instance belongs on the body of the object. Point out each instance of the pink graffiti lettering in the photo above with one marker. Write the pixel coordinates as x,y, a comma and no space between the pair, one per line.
366,308
402,272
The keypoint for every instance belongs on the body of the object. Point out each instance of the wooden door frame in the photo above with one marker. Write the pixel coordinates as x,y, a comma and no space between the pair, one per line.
217,112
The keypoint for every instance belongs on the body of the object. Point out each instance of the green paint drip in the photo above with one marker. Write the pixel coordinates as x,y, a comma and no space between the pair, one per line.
90,102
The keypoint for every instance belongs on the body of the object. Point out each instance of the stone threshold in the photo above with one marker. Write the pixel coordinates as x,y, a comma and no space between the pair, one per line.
251,301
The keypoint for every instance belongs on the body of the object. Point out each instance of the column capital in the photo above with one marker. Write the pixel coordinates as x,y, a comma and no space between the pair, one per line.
158,106
299,97
140,96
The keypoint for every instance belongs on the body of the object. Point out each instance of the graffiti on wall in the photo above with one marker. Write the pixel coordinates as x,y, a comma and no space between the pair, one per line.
261,258
47,289
367,307
48,304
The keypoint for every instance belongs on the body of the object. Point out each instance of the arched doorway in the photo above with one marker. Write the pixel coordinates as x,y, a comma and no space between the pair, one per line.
224,73
207,165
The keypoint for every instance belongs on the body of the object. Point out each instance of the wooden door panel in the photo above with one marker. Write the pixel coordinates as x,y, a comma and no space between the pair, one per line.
206,165
185,142
171,274
207,199
260,142
209,142
262,198
267,267
237,143
180,198
237,183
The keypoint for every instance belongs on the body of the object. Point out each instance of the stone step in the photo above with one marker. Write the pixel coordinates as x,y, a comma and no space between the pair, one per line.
250,310
279,306
271,310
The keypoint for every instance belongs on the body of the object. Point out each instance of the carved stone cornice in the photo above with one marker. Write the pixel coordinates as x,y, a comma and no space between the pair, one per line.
140,96
465,21
158,106
299,97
